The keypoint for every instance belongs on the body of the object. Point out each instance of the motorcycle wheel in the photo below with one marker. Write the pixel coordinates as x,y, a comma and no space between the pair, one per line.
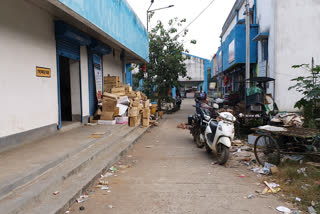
198,141
223,154
208,149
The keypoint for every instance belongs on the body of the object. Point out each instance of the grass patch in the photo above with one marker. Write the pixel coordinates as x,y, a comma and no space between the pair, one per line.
295,185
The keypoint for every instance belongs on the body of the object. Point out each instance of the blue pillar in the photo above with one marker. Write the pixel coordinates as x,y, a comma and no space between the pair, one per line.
128,75
174,93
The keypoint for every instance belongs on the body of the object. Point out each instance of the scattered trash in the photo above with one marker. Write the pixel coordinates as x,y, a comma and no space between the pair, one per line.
274,170
298,199
292,157
56,193
107,175
242,176
183,126
148,147
214,163
129,156
109,191
273,128
105,188
302,171
102,182
81,208
82,198
124,166
313,203
67,211
283,209
271,188
110,206
305,186
316,182
237,143
95,136
311,210
99,133
113,169
250,196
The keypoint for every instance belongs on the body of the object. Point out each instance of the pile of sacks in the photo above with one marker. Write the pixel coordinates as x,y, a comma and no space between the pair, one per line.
289,119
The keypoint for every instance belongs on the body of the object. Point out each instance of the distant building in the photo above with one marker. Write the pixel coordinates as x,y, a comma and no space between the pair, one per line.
197,74
283,33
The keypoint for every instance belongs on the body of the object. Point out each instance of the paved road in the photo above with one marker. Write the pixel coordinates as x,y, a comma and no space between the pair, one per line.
168,174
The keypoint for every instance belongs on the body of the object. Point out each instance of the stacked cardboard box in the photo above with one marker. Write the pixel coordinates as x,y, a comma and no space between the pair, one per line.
117,98
110,82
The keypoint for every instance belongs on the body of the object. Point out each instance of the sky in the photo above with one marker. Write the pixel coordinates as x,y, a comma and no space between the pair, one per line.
206,29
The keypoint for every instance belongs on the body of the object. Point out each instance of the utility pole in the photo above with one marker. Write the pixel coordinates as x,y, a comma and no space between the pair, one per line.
247,76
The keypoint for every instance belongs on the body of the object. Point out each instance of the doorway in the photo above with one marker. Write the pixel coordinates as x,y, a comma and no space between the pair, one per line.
70,93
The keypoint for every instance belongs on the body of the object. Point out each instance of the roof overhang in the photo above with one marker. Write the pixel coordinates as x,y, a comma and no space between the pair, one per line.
61,12
261,36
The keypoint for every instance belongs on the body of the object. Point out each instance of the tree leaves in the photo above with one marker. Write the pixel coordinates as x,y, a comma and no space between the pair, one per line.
166,61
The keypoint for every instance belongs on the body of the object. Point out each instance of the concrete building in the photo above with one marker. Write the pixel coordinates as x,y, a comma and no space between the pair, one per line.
197,73
54,54
283,33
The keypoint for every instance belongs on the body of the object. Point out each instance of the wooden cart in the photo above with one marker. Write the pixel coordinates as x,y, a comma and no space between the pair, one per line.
270,146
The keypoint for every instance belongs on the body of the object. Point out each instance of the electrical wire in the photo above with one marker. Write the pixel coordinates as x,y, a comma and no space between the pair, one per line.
195,18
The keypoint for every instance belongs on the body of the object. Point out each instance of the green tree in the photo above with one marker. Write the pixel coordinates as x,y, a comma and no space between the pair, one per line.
309,87
166,61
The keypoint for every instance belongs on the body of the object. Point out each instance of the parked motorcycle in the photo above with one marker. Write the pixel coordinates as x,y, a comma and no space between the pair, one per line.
218,136
199,120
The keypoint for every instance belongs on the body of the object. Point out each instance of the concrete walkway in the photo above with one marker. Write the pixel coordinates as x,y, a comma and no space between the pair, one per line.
29,171
168,174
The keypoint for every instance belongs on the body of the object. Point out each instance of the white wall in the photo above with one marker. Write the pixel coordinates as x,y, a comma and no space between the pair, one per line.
112,65
297,40
84,80
266,21
75,87
26,40
195,69
229,29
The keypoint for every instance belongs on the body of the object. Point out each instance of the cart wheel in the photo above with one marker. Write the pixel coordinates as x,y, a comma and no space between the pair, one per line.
266,149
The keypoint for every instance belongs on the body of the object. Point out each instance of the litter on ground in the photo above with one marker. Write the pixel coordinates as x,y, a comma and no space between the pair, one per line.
283,209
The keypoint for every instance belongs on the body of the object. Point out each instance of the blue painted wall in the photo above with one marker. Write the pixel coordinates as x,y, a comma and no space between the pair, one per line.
238,34
117,19
128,75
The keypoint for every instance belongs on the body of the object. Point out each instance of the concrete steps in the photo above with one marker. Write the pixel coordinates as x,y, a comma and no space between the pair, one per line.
9,185
70,177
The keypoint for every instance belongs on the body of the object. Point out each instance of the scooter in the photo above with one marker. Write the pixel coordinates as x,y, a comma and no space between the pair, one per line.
218,136
199,120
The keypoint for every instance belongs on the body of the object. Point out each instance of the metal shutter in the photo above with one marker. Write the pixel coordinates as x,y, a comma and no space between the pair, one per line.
68,49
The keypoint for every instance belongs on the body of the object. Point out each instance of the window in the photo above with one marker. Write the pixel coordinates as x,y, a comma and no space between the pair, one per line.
264,48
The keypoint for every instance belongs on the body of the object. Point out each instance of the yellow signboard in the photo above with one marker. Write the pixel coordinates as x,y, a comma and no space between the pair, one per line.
43,72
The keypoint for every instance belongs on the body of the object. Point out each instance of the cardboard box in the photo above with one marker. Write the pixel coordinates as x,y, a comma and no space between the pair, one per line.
145,122
107,116
110,96
135,103
146,113
106,122
135,121
116,111
109,105
133,112
147,103
118,90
